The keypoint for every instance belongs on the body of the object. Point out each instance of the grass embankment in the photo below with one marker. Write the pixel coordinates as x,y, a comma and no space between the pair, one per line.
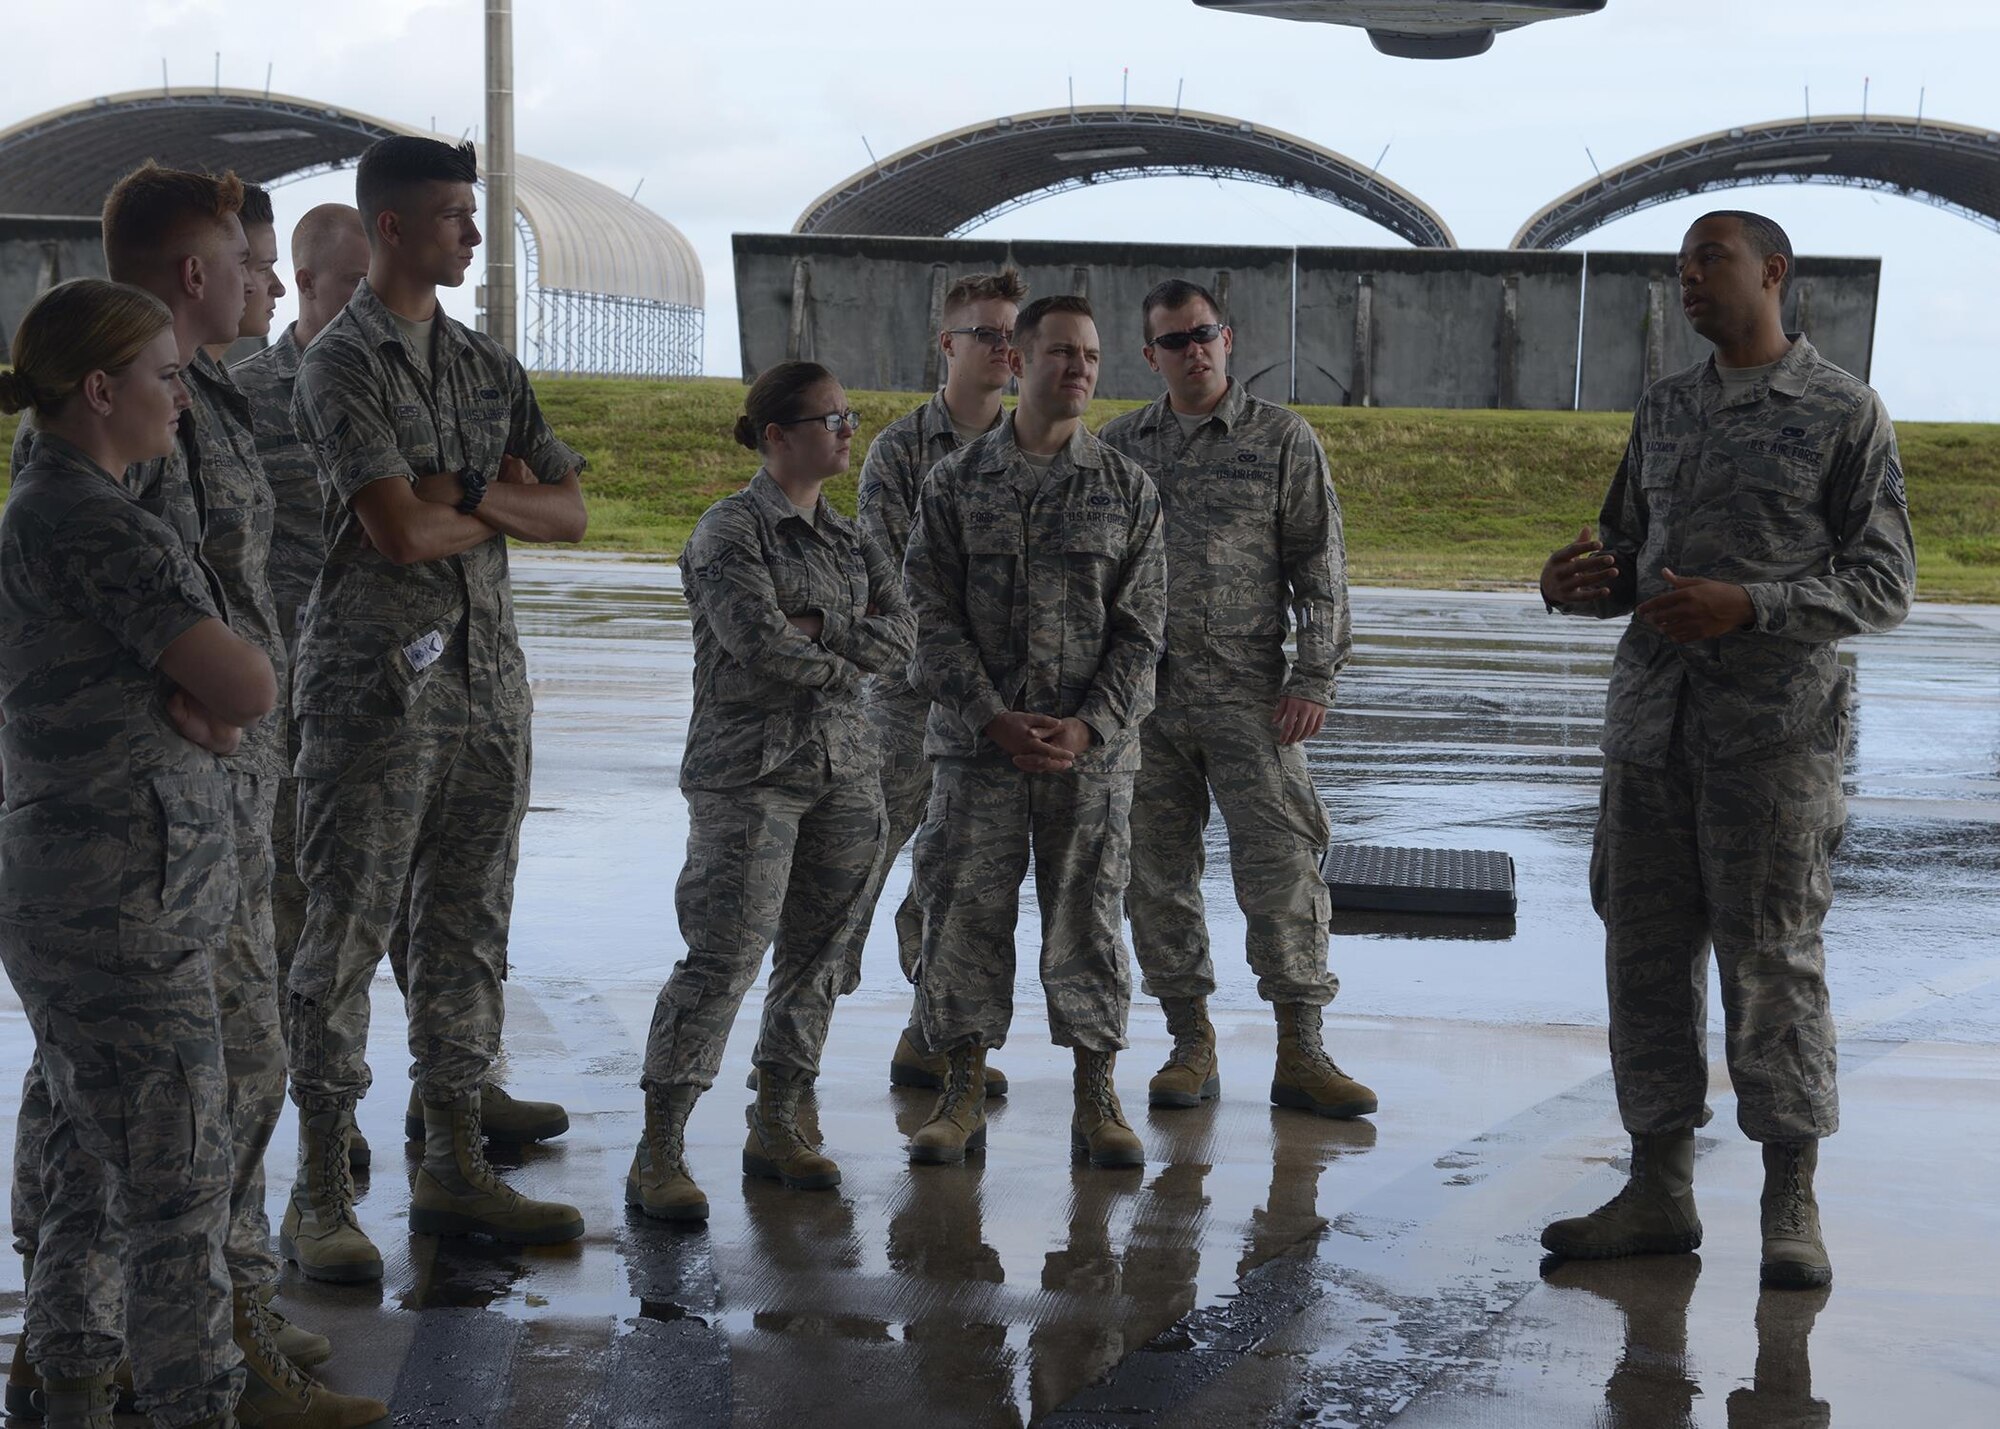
1432,498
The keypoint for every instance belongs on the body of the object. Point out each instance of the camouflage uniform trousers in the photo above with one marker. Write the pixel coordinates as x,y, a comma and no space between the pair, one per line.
971,856
1734,853
786,859
246,997
135,1168
426,806
897,725
1277,839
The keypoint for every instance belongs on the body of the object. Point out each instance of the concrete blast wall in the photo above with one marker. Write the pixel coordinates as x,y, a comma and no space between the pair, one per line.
1415,327
870,308
1382,327
37,253
1634,333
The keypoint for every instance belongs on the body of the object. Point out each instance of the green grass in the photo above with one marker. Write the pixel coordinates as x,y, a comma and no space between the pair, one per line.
1432,498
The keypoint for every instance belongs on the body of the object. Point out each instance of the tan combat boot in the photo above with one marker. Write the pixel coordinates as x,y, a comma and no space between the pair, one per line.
1653,1214
1099,1129
456,1192
777,1149
958,1122
502,1118
295,1342
78,1403
911,1066
658,1183
279,1395
1190,1076
320,1234
1306,1077
1794,1255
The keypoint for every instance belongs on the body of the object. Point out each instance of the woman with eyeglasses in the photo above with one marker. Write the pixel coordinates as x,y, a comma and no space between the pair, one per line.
791,607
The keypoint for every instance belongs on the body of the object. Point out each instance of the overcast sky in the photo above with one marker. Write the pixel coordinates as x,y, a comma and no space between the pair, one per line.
732,117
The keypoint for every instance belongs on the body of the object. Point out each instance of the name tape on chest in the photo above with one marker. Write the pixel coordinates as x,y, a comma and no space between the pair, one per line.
425,650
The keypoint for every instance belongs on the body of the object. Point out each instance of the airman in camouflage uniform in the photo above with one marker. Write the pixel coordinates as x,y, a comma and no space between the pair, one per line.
1254,547
785,819
117,885
980,308
236,505
412,698
297,548
1757,517
1039,585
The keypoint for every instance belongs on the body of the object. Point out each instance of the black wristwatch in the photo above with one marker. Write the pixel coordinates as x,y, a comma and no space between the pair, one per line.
474,481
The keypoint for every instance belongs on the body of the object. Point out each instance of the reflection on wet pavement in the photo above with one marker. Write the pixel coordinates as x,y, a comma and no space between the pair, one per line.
1265,1267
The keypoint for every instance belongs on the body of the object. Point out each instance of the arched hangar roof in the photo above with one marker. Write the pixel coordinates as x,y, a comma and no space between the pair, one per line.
946,185
588,237
1948,166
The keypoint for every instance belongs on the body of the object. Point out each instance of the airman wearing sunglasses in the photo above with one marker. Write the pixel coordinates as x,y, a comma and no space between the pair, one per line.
1254,550
979,311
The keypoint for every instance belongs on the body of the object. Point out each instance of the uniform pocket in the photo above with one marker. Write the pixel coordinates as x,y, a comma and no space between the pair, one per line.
185,894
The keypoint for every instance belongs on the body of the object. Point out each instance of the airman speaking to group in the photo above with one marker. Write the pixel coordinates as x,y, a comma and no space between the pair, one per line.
267,716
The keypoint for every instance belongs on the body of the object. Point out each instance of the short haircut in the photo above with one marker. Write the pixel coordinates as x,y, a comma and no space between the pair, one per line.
1006,286
154,217
391,168
257,206
1032,315
74,329
1174,293
1764,236
318,234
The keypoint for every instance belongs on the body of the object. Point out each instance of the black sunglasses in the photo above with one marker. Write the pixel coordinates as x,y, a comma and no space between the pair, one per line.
1175,341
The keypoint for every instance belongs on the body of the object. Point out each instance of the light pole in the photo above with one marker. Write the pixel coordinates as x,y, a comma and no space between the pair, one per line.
500,283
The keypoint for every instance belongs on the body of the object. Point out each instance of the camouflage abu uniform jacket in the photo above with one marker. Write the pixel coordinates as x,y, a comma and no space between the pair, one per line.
1042,594
236,520
1253,542
1791,490
899,459
373,410
762,688
298,534
115,829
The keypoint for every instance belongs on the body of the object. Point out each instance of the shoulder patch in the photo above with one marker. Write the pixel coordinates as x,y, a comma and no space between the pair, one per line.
1892,484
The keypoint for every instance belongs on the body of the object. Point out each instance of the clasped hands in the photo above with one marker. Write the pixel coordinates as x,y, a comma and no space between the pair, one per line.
1039,744
1696,608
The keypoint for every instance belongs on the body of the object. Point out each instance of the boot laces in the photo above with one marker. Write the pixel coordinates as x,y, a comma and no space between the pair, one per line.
1311,1038
264,1333
1098,1092
1792,1220
957,1085
1185,1023
781,1124
477,1168
335,1169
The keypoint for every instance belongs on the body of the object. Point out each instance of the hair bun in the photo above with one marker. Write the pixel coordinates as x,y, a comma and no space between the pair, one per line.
746,432
17,393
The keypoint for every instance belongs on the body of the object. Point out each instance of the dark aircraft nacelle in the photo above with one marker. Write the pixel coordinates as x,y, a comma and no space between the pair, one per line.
1418,29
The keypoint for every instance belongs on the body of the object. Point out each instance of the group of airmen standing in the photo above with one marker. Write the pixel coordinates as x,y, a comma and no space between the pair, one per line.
267,720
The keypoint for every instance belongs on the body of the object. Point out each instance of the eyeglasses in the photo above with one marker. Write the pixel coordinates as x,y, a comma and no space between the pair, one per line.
993,337
1175,341
832,421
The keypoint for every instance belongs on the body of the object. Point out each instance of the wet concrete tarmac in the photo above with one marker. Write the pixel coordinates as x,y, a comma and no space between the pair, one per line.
1266,1267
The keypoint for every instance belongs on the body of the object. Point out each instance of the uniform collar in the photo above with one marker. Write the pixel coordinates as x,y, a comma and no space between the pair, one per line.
1003,452
934,421
379,325
765,491
285,352
1159,413
53,451
1790,377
